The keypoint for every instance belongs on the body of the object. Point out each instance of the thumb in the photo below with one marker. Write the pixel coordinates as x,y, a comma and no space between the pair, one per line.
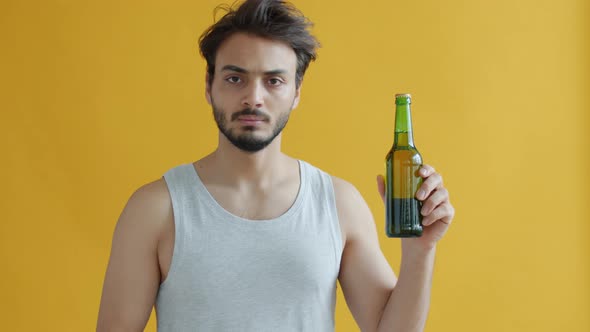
381,186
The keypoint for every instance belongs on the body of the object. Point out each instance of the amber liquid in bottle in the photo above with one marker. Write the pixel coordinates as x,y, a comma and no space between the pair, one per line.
402,209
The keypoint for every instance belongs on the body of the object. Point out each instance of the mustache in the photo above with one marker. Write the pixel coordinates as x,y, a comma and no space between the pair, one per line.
250,111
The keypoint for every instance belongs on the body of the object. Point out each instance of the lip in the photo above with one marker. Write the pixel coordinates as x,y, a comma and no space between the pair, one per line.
250,120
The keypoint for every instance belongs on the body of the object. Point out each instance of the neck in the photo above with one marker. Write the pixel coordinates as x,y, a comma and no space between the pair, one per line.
403,126
236,167
404,139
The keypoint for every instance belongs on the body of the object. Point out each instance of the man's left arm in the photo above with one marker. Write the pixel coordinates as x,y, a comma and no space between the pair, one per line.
376,298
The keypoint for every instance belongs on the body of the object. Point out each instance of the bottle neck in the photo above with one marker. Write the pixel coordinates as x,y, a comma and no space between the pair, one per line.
403,126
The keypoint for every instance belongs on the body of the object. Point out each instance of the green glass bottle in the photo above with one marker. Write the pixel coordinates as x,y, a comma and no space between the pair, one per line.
403,162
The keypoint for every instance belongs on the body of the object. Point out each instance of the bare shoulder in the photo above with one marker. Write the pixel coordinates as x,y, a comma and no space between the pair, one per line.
149,209
154,193
353,212
133,275
348,198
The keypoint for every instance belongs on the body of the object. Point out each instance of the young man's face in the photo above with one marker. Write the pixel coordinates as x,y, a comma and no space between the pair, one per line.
253,90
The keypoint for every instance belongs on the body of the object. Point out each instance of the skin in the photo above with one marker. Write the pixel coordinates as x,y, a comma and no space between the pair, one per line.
256,73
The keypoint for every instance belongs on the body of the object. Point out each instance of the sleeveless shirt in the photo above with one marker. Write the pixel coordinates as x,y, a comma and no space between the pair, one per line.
233,274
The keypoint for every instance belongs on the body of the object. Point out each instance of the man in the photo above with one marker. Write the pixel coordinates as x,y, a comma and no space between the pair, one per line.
248,238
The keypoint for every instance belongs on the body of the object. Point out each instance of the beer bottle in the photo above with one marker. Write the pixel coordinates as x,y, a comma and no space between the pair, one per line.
403,162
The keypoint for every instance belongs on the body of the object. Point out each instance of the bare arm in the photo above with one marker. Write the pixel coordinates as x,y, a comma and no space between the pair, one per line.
407,308
377,300
366,277
133,275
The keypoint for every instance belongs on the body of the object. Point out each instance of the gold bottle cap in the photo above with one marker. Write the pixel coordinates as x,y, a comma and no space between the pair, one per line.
403,99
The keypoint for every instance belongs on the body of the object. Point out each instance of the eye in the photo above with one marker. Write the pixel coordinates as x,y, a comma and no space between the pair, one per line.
275,81
233,79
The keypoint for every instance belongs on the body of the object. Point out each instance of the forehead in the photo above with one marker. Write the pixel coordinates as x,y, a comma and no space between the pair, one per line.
255,54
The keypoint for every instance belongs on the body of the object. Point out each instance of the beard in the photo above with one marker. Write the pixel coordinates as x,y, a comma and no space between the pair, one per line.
248,141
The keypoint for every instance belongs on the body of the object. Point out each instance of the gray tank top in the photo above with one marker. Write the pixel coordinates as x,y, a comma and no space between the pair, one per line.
232,274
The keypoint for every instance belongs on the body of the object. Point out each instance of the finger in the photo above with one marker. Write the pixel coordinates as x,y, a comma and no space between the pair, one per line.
426,170
443,212
430,184
438,197
381,186
449,217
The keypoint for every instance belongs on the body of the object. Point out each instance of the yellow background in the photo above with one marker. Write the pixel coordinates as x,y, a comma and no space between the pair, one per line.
100,97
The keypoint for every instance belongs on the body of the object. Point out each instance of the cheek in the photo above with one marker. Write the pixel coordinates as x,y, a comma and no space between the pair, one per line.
285,96
222,97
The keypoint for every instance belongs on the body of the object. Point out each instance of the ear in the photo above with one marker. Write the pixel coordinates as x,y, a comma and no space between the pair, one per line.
297,96
208,89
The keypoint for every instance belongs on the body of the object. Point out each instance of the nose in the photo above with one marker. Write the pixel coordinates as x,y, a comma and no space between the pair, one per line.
254,95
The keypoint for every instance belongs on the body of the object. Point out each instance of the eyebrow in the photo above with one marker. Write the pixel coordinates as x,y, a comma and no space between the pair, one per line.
244,71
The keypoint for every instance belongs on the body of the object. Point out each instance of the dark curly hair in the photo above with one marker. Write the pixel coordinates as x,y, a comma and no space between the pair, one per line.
273,19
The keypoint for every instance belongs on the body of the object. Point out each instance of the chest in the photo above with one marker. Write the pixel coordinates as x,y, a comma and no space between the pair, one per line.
266,267
255,204
235,279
